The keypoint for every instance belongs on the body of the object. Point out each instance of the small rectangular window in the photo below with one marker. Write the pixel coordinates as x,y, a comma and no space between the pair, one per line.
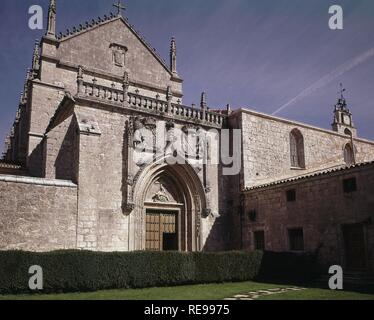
296,239
259,238
291,195
349,185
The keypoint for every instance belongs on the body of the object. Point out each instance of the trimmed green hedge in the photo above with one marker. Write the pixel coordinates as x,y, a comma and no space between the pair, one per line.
83,271
73,271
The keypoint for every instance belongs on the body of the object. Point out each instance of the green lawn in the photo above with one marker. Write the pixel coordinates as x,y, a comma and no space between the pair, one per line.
319,294
196,292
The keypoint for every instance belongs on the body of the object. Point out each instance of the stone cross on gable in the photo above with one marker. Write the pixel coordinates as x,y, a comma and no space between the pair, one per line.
119,7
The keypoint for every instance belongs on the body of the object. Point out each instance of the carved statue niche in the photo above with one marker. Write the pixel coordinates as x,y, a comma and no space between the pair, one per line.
202,143
190,141
144,140
170,135
137,133
151,124
118,54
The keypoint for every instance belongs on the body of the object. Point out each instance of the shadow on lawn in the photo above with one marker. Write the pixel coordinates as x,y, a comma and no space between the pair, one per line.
302,270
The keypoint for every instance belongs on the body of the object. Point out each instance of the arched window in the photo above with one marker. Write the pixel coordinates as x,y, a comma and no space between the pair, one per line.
297,149
348,154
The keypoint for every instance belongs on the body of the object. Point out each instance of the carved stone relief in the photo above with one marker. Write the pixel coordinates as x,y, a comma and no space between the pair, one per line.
118,54
162,192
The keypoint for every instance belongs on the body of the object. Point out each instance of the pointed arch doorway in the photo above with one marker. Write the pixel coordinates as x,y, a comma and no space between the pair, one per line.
165,216
169,200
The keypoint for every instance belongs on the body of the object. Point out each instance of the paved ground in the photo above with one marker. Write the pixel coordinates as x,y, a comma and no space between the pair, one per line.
253,295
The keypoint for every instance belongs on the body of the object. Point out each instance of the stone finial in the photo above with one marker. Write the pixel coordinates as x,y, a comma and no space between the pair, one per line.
21,101
125,78
125,84
228,108
36,59
169,97
51,25
28,76
80,73
173,56
24,94
80,79
203,102
169,93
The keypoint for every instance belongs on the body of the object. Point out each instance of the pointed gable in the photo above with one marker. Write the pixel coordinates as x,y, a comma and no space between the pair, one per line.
113,46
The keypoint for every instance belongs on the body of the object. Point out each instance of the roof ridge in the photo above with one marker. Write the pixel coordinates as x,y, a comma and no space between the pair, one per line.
87,26
309,175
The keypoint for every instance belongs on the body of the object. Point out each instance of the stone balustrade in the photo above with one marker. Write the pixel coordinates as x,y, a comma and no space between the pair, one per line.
113,95
101,92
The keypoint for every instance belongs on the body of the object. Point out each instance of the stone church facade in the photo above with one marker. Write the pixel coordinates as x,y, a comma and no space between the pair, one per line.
104,156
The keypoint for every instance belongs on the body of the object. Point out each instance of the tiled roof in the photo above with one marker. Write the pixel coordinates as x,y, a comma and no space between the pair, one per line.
310,175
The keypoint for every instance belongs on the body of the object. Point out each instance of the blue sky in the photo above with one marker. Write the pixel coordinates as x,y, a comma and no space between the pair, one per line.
259,54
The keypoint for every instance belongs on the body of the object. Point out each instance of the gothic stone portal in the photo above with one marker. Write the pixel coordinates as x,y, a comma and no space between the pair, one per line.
164,211
168,204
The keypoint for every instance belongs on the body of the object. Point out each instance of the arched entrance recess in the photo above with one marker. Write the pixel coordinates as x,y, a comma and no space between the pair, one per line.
187,201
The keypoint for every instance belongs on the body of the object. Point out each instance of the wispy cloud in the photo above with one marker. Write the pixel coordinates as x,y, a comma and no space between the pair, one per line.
339,71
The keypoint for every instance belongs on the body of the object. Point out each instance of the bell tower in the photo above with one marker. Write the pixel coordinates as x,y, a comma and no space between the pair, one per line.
343,122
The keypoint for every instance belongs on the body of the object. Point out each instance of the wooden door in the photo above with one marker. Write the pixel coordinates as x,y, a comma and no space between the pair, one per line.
161,231
355,248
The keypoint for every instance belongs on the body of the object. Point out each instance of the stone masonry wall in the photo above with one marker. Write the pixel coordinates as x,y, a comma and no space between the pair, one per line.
321,209
266,148
101,223
37,214
60,149
45,100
